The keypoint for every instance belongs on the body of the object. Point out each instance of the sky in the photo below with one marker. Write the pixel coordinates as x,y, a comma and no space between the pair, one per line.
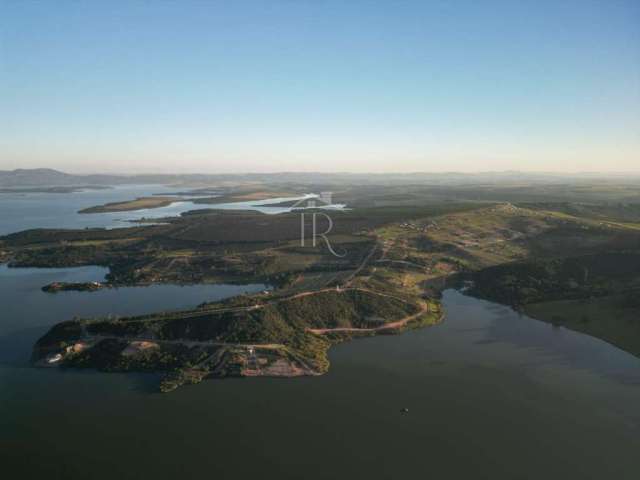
314,85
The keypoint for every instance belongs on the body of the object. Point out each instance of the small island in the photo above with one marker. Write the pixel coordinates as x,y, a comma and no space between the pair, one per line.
55,287
140,203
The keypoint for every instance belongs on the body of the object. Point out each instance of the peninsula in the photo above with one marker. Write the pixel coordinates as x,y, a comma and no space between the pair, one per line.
140,203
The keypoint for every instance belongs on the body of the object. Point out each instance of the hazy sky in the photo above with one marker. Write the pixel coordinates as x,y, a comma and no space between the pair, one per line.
222,86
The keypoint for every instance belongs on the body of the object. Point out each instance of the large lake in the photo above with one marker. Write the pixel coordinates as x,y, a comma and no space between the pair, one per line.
22,211
491,394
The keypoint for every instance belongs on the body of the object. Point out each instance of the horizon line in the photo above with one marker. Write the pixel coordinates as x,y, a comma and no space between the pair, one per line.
303,172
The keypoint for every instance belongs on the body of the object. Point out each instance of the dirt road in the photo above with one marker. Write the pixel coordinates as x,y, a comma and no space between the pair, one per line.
387,326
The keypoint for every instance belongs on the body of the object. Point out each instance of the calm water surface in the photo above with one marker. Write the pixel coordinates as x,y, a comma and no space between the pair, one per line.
491,394
22,211
60,210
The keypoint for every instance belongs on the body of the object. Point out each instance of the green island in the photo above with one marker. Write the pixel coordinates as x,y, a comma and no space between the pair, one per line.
573,264
55,287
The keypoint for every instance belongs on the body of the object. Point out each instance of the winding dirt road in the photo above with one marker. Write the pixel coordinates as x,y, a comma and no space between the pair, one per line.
387,326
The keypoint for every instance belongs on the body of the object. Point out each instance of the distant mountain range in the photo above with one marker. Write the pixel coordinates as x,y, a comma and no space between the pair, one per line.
49,177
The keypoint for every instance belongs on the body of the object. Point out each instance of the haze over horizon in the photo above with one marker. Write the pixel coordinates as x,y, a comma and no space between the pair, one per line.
176,172
237,87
